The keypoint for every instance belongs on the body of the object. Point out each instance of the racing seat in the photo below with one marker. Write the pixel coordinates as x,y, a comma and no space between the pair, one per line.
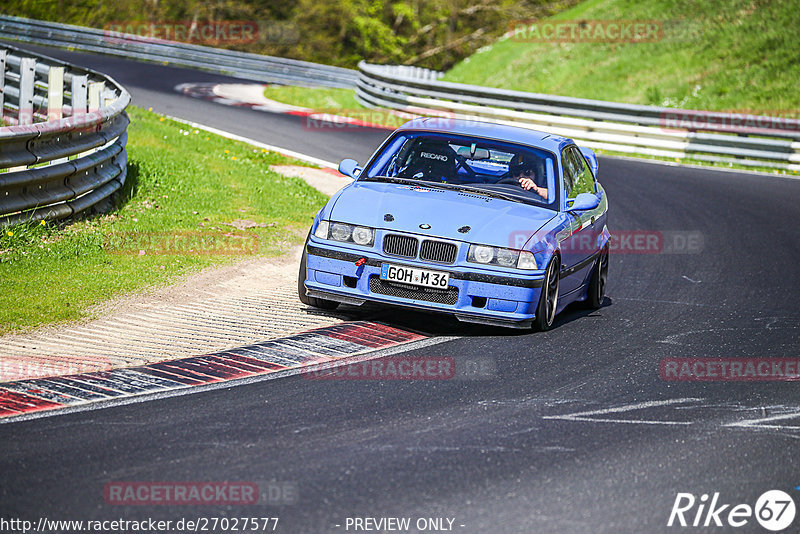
431,161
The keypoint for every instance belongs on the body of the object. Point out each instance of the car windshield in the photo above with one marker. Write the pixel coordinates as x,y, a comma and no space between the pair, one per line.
495,168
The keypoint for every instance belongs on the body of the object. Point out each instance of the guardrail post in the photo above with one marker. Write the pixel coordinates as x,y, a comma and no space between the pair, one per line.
79,98
55,93
95,96
108,97
95,90
2,82
27,75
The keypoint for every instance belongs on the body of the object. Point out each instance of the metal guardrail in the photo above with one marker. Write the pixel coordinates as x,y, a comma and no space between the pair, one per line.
229,62
627,128
62,140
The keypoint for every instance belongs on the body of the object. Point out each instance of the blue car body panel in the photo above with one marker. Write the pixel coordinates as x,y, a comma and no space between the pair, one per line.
350,273
491,220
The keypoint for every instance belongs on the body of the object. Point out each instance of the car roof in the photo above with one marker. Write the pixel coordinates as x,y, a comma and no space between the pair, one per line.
501,132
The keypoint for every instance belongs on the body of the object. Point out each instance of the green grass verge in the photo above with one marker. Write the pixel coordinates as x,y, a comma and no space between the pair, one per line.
328,98
729,55
183,186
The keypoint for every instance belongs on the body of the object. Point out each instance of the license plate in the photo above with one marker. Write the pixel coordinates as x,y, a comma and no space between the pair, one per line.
414,276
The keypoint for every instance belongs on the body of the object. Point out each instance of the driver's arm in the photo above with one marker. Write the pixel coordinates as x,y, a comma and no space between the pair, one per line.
529,185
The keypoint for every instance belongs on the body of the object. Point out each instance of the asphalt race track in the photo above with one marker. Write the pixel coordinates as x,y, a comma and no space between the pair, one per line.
574,430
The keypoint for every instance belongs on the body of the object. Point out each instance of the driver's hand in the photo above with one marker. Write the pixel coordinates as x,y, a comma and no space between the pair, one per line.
529,185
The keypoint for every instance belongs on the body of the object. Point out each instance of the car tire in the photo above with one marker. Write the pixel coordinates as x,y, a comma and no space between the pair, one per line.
548,299
301,289
596,291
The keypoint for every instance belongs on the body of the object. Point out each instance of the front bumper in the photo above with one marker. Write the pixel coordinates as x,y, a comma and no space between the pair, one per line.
473,295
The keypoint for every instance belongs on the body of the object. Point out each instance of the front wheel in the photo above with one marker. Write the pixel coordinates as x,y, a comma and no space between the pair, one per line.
301,289
548,300
597,285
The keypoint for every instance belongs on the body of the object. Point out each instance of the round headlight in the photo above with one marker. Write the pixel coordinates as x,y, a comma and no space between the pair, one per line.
505,257
483,254
362,236
340,232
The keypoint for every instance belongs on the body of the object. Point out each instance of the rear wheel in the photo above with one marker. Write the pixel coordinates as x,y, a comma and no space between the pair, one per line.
548,300
301,289
597,285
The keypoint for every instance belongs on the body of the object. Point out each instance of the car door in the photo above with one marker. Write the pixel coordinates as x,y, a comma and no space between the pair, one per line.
579,248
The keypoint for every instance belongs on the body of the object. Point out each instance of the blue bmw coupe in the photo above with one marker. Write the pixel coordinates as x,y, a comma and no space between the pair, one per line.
494,224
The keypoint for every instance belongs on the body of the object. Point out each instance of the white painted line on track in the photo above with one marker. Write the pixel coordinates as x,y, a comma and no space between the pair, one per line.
761,423
253,142
587,416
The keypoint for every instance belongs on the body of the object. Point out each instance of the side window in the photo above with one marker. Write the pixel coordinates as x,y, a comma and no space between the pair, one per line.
584,181
569,172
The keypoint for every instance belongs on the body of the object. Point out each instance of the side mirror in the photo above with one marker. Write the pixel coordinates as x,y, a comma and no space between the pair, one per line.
349,167
584,202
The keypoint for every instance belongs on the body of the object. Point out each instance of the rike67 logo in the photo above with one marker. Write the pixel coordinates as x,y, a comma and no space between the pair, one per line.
774,510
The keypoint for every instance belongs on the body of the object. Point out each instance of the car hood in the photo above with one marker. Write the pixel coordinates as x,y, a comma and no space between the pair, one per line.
491,221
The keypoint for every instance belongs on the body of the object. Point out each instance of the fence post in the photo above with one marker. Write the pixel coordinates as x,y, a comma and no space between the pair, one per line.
55,93
27,74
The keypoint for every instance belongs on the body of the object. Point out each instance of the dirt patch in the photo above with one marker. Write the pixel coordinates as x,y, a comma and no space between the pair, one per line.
328,181
209,311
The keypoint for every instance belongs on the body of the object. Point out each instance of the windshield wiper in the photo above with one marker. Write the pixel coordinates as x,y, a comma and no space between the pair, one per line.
393,179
